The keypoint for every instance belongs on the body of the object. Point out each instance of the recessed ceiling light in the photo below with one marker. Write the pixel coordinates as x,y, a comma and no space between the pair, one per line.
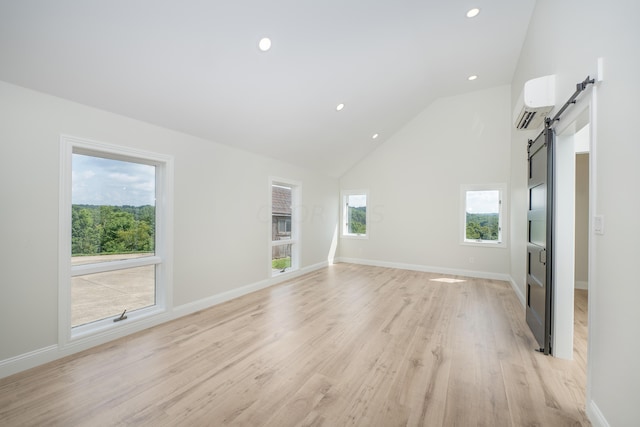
264,44
339,107
471,78
375,135
473,12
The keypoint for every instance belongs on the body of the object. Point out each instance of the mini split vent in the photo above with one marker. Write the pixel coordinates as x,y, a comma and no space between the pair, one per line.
526,119
535,103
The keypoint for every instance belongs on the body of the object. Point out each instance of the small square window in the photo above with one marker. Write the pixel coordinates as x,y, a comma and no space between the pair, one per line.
284,225
482,214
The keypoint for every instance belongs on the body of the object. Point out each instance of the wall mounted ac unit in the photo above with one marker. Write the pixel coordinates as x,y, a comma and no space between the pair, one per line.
535,102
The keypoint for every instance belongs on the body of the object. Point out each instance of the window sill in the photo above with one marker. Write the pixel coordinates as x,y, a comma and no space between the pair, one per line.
107,325
276,273
484,244
355,236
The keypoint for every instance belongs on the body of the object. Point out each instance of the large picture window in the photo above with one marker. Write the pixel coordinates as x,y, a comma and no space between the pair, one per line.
482,216
113,223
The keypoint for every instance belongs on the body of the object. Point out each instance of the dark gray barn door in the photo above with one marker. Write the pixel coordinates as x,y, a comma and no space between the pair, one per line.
539,246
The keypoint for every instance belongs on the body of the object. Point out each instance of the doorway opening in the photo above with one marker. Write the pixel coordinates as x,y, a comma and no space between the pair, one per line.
571,281
581,292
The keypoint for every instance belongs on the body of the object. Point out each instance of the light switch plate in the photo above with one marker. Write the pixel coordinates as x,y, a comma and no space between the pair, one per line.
598,224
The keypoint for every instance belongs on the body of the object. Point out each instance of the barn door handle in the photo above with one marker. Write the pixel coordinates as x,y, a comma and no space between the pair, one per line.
542,256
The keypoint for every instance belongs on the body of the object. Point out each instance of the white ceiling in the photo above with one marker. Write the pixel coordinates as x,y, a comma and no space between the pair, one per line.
194,65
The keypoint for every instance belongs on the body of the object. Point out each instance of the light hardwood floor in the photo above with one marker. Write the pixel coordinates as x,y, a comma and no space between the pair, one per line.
346,345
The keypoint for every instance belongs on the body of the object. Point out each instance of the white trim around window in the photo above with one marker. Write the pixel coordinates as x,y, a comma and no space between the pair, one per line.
348,229
488,200
295,237
161,260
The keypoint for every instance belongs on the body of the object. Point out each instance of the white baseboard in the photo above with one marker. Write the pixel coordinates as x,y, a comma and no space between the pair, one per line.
204,303
25,361
427,268
22,362
439,270
595,415
518,292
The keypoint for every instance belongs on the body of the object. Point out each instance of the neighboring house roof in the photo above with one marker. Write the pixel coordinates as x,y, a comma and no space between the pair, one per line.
281,200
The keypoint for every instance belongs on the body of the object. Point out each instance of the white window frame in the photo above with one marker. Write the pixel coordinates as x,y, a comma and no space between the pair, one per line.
344,194
502,215
296,200
162,259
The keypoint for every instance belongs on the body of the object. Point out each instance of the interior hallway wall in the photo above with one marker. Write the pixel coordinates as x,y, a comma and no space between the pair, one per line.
566,38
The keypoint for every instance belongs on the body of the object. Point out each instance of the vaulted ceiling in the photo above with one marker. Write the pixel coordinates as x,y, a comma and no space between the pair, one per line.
195,66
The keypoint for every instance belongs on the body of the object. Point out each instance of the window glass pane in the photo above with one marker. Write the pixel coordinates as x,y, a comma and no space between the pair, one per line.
538,232
357,214
281,212
102,295
538,197
483,215
280,258
113,208
113,218
284,225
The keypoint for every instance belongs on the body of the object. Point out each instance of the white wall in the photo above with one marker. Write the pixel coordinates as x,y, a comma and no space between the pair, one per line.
566,38
414,181
221,220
